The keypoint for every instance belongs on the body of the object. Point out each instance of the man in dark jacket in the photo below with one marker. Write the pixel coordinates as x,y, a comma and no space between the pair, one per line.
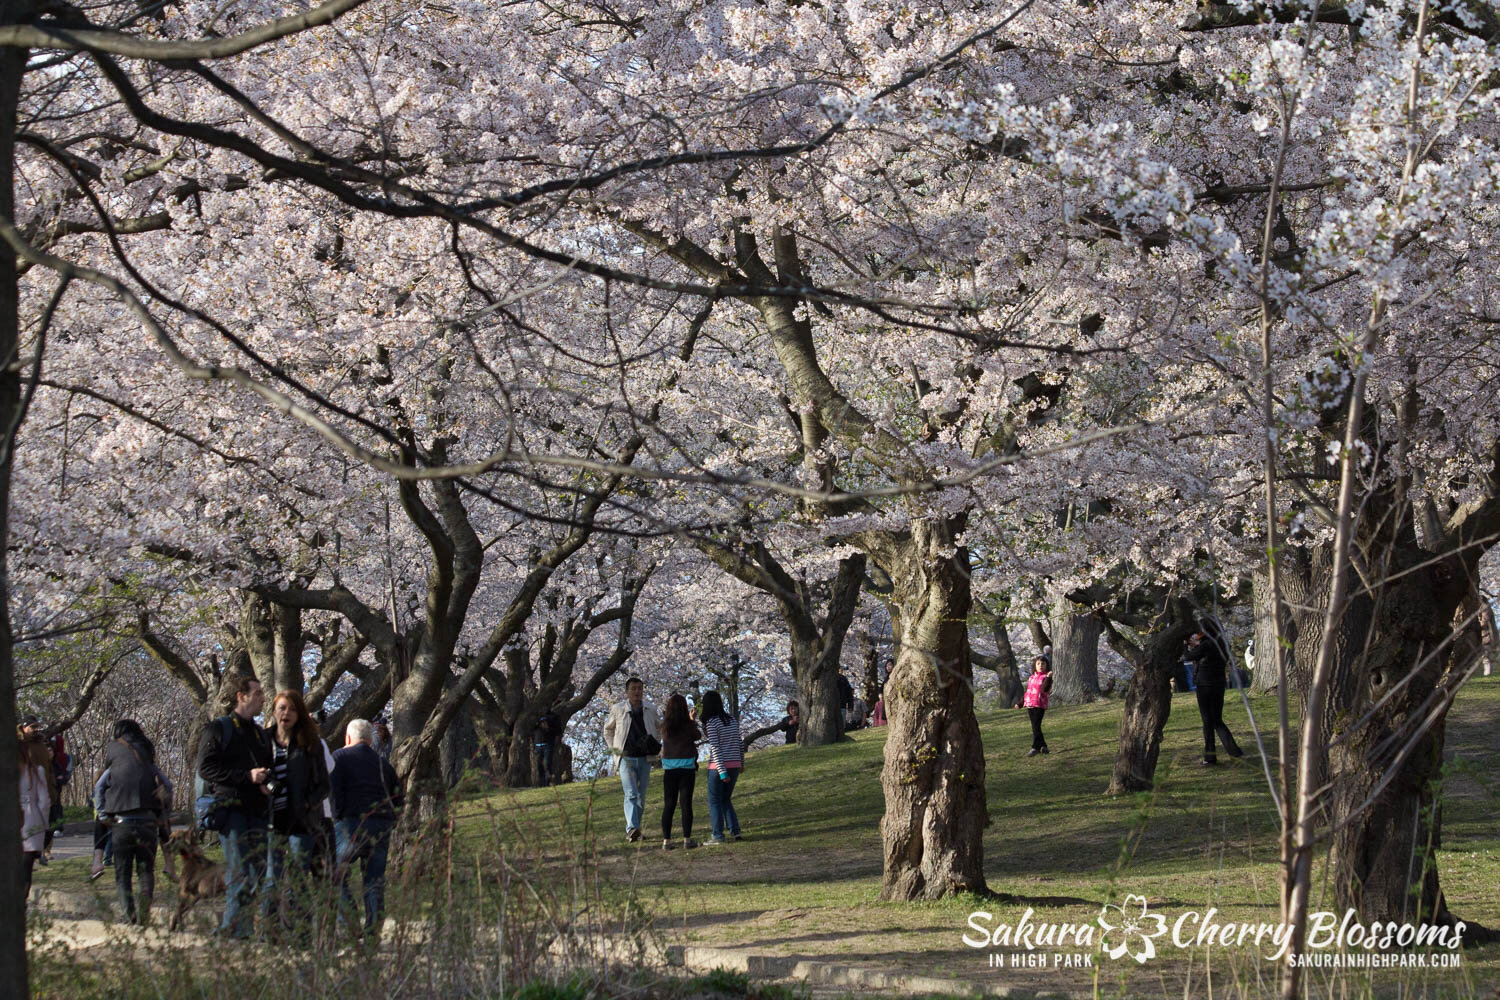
234,761
365,798
1207,652
544,742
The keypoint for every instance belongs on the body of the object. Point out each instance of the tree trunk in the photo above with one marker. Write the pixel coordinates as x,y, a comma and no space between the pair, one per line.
822,715
935,815
13,978
426,793
1075,656
1393,647
273,637
1148,704
1263,678
817,649
872,676
459,746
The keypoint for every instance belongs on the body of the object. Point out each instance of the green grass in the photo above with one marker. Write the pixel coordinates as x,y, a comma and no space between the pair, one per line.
806,880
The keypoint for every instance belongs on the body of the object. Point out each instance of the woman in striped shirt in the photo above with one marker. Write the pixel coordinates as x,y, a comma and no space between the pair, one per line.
726,758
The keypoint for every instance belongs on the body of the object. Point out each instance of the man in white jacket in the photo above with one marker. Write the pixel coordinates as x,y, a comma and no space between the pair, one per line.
630,732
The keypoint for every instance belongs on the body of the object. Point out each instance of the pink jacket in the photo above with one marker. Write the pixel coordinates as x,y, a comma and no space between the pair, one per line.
1036,689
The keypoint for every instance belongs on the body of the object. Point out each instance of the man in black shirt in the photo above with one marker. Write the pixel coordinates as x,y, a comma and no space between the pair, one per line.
1207,652
631,734
234,761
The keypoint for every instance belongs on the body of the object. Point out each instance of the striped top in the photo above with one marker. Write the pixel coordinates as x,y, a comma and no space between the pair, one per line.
725,747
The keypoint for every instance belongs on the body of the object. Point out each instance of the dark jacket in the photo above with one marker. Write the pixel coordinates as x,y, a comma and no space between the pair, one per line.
307,786
1209,663
132,779
364,785
683,745
225,767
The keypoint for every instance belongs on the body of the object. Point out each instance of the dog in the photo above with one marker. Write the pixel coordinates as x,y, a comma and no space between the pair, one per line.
200,877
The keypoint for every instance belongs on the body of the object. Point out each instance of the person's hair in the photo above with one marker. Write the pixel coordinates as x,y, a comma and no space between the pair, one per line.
675,721
232,686
793,704
713,707
304,730
130,730
634,680
360,730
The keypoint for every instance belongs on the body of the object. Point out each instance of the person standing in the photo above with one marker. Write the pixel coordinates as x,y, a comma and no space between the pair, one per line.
131,800
299,784
627,733
38,791
1038,691
725,761
679,769
234,761
366,796
62,773
1207,653
544,742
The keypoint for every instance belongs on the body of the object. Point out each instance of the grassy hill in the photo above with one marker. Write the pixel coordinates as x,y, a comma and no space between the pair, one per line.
806,879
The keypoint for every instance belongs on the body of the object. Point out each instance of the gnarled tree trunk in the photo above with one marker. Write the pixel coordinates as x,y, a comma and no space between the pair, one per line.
1075,656
1148,701
935,813
1389,691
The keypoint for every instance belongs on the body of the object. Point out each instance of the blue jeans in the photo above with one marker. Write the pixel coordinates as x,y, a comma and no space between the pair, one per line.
281,884
244,840
370,843
720,808
635,773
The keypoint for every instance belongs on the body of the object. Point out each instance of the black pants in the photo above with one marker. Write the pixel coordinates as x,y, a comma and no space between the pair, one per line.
543,764
1038,741
1211,708
677,790
135,841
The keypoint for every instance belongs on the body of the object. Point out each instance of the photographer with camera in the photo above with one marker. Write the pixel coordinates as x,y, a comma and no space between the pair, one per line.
298,785
234,762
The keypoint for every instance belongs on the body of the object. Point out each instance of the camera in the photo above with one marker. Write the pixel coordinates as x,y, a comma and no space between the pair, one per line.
273,786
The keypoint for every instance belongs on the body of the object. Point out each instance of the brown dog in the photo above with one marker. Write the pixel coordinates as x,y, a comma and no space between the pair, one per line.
200,878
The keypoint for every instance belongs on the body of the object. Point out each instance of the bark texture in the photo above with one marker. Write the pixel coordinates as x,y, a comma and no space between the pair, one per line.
13,977
1148,701
1075,656
935,810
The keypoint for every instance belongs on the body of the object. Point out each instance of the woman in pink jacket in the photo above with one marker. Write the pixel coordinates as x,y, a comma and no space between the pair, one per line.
1038,689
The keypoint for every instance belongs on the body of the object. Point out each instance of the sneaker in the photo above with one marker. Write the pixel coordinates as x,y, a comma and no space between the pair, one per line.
633,834
666,845
1045,750
689,843
714,842
737,837
1208,762
1032,752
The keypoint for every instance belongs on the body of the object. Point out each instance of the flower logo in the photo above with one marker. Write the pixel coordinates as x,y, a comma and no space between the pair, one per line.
1129,932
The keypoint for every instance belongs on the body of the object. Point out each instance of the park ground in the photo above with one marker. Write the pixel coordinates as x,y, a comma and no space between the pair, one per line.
806,880
804,883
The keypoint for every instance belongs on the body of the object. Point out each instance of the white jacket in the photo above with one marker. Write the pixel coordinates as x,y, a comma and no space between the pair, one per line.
617,725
